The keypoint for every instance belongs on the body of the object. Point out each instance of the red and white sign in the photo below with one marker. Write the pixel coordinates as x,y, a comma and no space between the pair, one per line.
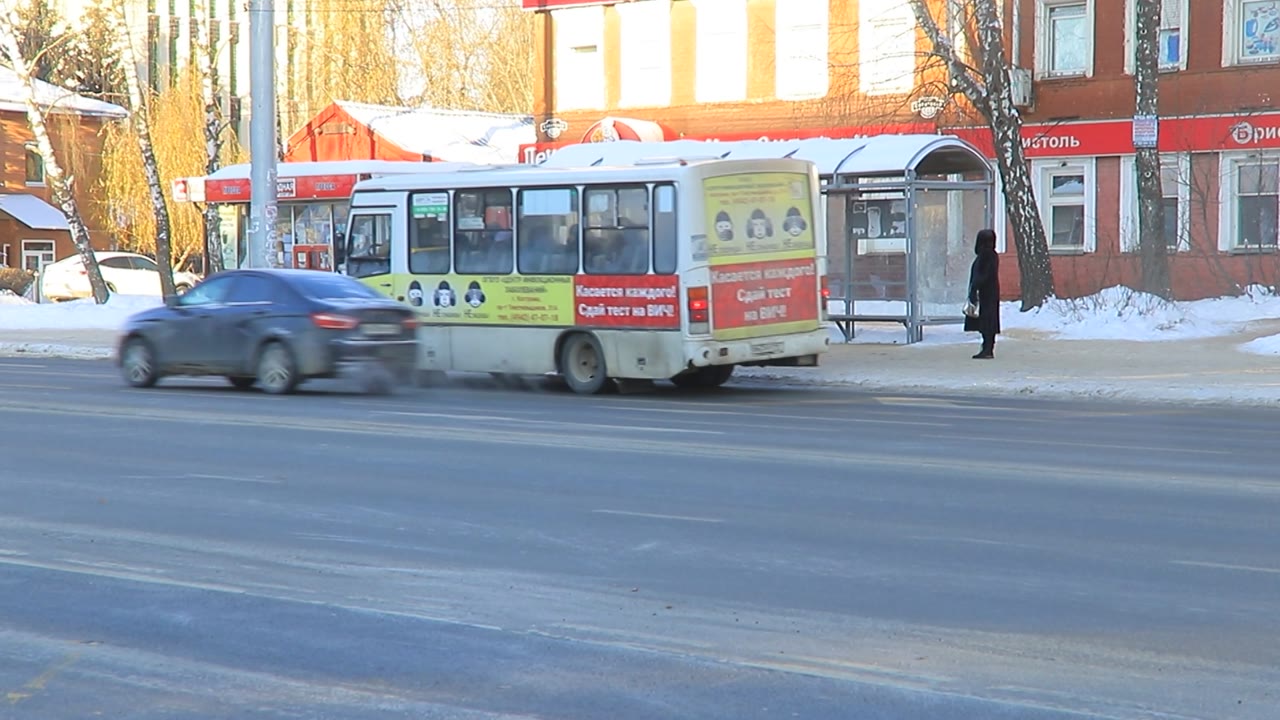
1212,133
315,187
627,301
534,153
764,293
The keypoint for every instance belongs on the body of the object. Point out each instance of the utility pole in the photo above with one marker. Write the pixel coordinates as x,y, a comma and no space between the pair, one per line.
262,250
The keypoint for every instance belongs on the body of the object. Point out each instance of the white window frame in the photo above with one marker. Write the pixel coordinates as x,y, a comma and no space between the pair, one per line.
1129,238
1131,36
797,50
1044,39
1228,194
721,51
645,54
1042,172
574,28
884,28
1232,13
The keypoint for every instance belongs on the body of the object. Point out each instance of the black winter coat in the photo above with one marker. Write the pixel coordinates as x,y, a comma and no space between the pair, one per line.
984,291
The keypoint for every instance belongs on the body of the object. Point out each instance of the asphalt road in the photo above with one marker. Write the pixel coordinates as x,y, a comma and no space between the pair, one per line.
476,551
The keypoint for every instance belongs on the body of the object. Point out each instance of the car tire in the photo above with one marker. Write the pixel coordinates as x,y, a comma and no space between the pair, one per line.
704,378
582,364
241,382
277,370
138,363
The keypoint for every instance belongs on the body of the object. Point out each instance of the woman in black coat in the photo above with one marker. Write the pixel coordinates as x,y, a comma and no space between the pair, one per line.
984,292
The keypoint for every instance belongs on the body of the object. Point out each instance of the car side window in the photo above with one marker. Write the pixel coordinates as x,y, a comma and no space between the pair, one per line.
119,263
254,289
141,263
210,292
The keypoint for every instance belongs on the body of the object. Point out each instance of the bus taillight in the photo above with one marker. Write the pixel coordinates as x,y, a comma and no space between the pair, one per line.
699,310
826,291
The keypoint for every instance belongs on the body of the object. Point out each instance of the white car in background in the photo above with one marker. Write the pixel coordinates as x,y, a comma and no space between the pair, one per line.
125,274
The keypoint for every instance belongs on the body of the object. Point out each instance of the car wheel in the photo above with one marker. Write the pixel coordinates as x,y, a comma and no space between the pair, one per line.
712,376
182,288
240,382
582,363
277,371
138,363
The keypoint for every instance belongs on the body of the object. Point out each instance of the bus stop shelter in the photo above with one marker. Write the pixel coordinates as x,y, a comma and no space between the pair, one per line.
901,211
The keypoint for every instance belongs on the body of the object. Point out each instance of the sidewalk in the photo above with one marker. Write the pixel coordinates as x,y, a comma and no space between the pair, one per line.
1028,363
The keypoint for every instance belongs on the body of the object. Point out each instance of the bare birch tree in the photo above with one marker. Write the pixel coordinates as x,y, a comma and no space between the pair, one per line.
346,54
1146,85
471,54
988,88
61,185
141,125
206,55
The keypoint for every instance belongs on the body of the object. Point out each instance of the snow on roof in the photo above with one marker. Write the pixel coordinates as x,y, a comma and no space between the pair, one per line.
878,155
32,211
51,96
332,167
448,135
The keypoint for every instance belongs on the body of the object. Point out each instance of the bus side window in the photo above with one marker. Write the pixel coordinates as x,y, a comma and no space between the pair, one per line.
664,229
616,241
482,233
547,227
369,240
429,233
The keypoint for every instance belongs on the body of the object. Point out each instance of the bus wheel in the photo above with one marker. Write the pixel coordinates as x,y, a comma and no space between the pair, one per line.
582,363
711,376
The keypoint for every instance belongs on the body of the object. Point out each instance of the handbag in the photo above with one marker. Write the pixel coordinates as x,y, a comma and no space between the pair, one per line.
970,310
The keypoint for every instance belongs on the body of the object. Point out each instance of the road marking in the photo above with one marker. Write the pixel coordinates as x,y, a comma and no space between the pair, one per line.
7,365
973,541
229,478
657,516
1066,443
776,416
39,682
26,386
1227,566
549,423
449,416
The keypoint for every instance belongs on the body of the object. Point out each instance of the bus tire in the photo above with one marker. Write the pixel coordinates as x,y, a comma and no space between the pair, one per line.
582,364
711,376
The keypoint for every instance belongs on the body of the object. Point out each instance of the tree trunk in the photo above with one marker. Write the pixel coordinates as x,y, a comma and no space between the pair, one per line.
990,94
1146,85
206,56
142,130
59,184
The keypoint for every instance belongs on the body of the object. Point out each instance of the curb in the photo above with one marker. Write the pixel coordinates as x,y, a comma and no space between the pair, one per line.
59,351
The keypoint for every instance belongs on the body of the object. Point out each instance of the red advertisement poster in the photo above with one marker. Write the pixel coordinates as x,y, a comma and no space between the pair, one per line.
627,301
760,298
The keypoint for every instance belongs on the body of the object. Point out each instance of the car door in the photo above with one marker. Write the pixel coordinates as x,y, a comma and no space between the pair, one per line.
144,277
193,341
256,304
117,273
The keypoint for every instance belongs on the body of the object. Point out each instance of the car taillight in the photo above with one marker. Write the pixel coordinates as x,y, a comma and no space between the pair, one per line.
331,321
699,310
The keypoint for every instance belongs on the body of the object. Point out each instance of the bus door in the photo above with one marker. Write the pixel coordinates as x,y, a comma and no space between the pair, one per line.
368,249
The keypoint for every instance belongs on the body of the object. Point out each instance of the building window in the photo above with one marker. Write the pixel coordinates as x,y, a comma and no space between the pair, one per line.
1251,30
1252,204
646,53
802,71
35,166
1173,34
1065,31
1066,193
1175,184
721,47
579,58
886,42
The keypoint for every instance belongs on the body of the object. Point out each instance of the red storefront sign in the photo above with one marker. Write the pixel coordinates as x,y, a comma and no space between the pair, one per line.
627,301
764,293
1115,137
314,187
535,153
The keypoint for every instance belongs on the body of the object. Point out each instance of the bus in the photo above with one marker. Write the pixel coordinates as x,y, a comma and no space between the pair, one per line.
675,270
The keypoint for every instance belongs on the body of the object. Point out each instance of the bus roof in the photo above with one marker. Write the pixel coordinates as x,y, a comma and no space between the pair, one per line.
651,170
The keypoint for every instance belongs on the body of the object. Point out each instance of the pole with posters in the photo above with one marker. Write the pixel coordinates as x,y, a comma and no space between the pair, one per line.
262,251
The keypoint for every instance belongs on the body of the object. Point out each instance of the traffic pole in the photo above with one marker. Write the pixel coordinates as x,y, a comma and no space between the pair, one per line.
263,209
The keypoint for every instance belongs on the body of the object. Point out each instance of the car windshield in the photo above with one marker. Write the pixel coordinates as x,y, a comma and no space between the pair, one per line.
330,287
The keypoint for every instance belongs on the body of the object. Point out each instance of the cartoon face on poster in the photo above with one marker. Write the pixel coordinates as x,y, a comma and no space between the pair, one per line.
758,214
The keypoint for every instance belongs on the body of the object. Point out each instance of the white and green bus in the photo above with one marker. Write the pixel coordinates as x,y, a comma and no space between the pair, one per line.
676,270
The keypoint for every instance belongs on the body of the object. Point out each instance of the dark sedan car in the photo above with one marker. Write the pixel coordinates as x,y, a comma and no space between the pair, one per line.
274,328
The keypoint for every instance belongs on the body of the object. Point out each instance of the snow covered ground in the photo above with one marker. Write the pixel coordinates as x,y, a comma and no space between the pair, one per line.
1113,314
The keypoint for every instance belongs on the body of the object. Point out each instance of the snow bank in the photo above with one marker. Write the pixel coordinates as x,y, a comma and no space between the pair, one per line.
75,315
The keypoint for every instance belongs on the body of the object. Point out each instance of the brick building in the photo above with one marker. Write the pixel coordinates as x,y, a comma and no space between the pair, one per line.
33,232
736,69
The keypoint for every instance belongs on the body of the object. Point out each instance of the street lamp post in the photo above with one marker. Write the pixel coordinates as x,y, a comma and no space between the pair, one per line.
262,250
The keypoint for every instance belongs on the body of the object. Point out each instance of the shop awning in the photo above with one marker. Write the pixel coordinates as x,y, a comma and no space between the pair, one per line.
33,212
